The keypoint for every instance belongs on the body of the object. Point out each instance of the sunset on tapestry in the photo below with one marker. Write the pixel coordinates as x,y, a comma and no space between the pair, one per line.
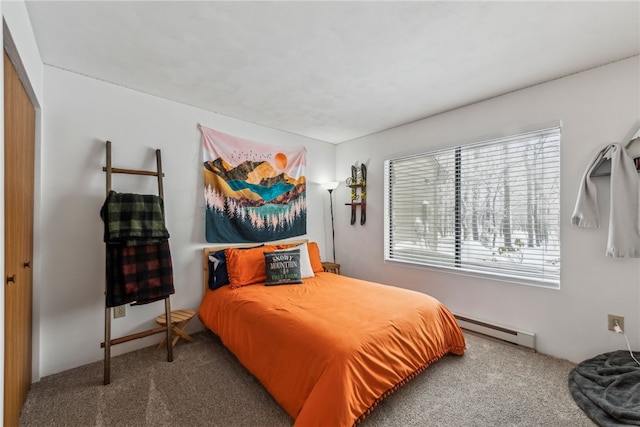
253,192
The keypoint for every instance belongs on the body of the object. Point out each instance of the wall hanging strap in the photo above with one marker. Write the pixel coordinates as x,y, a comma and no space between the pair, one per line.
631,144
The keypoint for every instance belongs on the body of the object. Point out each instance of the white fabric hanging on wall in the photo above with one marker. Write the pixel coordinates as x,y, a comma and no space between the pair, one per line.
624,218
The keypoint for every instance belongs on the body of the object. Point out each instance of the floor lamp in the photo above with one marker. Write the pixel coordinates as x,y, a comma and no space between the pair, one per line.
330,186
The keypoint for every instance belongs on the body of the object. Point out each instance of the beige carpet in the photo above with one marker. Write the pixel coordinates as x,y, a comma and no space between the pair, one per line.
493,384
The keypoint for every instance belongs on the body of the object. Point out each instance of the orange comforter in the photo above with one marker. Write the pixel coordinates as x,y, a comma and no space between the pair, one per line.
328,350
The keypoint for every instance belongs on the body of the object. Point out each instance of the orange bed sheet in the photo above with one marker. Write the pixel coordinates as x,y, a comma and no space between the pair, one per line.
329,349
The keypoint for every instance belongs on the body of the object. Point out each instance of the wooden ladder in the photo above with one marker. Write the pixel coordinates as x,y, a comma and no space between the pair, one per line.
108,342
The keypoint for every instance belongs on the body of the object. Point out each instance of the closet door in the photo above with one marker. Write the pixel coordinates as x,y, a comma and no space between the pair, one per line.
19,141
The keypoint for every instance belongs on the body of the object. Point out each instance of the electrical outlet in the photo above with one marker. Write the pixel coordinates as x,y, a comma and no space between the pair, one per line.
119,311
611,321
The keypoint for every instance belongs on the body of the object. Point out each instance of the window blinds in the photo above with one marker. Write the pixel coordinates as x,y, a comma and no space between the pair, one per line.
490,208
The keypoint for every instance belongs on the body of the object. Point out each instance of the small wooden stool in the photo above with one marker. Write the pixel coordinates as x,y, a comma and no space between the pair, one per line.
331,267
180,319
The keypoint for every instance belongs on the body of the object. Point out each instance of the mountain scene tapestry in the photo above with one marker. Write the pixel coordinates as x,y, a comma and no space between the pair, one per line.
253,192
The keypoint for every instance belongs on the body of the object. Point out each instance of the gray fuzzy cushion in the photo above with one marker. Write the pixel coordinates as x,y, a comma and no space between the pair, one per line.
607,388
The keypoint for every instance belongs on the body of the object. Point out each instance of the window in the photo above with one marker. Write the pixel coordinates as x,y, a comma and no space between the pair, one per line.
490,208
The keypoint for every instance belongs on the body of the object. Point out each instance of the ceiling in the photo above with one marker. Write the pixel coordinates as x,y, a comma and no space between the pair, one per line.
333,71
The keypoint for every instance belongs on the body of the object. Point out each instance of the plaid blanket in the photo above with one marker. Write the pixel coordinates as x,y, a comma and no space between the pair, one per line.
138,259
140,274
133,219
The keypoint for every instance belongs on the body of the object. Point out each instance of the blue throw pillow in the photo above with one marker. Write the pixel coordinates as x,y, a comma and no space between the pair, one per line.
218,275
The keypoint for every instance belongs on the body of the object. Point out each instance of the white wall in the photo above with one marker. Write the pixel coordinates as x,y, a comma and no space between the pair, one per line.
595,107
81,114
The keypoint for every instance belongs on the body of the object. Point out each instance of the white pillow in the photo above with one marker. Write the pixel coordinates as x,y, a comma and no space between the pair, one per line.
306,270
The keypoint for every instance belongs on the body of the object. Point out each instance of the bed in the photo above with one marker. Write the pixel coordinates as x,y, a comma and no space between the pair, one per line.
327,349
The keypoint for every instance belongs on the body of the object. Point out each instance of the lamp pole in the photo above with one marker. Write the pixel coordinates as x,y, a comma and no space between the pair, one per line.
330,186
333,232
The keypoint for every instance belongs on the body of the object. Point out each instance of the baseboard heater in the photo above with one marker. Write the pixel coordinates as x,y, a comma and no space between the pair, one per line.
525,339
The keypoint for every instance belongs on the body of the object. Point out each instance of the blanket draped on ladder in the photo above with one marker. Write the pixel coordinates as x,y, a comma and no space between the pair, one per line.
138,259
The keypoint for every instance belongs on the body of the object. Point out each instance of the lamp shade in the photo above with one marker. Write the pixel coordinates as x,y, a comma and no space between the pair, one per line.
331,185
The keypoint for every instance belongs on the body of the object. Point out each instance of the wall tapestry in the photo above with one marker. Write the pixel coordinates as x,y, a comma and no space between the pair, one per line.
253,192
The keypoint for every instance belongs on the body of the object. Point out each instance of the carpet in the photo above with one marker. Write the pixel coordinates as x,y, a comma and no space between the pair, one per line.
493,384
